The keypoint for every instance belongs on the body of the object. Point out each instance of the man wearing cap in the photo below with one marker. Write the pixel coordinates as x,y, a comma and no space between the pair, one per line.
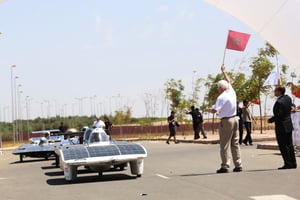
228,131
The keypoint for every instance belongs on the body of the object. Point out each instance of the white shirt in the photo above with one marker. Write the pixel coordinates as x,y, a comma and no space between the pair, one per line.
98,124
226,103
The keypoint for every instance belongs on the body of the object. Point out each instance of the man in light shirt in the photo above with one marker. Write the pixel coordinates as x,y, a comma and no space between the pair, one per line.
228,131
98,123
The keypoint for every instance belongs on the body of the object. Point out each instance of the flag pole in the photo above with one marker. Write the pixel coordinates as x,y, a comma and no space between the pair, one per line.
278,70
224,56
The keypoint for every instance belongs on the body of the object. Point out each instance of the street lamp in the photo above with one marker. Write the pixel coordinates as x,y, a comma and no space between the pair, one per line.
193,87
80,99
12,102
20,113
93,102
27,114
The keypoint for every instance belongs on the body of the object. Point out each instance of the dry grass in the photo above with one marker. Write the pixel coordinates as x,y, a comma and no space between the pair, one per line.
7,144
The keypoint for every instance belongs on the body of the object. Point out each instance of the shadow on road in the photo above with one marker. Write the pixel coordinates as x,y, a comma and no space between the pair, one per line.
244,171
31,160
91,179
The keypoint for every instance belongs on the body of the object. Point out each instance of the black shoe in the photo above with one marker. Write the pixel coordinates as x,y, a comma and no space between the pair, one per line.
205,137
167,142
222,170
250,144
287,167
237,169
177,142
245,143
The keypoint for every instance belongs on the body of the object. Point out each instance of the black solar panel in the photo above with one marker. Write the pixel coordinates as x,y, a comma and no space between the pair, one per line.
97,151
74,152
131,149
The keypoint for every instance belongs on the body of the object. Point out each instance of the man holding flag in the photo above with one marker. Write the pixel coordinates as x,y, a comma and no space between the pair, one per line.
226,107
228,131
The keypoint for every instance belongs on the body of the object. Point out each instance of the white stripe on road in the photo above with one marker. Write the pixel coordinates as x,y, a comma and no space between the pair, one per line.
273,197
162,176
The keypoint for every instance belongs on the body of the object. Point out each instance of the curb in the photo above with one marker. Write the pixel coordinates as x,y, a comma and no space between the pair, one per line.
272,146
209,141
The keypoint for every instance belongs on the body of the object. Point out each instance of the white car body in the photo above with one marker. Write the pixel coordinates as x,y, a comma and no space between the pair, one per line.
100,154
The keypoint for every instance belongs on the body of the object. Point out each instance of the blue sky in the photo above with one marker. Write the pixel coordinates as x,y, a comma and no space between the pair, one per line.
96,56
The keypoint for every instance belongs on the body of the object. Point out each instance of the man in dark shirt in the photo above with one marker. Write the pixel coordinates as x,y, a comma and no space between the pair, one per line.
200,121
172,124
62,128
284,127
196,124
239,112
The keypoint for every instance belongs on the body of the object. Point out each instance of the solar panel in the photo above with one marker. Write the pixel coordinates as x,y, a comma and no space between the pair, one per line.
74,152
27,148
131,149
97,151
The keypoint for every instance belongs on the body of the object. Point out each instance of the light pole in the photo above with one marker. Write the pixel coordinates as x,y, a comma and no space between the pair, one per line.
80,100
48,108
20,117
27,114
92,102
193,87
16,107
12,103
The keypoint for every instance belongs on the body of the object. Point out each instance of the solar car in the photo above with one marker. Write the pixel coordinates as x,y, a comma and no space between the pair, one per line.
100,154
43,147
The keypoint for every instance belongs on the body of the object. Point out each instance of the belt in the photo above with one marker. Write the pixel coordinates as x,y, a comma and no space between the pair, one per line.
228,117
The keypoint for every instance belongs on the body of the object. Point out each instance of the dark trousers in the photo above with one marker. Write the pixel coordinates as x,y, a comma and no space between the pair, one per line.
248,137
196,129
202,130
286,147
240,131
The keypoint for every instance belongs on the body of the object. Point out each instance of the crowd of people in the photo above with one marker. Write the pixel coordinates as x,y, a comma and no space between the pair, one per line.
231,127
233,120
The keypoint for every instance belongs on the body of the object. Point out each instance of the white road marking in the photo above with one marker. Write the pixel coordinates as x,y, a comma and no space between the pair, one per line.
273,197
162,176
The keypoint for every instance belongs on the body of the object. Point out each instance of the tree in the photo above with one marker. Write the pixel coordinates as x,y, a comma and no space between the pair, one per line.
174,93
261,68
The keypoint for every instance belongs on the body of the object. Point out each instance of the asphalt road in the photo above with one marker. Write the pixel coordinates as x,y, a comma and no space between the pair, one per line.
175,171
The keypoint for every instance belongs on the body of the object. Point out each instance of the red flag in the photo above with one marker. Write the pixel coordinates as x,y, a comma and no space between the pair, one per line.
294,89
255,101
237,40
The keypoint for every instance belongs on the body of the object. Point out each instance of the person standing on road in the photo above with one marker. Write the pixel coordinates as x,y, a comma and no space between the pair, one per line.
172,124
247,119
284,127
196,124
228,130
239,113
200,121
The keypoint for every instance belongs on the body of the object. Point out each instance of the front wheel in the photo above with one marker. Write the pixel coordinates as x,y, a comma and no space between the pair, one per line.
21,157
